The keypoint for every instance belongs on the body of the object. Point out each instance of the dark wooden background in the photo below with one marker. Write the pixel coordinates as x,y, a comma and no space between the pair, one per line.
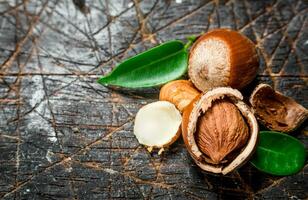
63,136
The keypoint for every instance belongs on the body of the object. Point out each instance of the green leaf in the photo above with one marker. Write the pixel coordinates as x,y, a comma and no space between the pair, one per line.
279,154
154,67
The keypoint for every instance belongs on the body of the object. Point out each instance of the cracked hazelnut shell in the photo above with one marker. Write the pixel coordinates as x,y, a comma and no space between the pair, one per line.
178,92
276,111
222,57
225,141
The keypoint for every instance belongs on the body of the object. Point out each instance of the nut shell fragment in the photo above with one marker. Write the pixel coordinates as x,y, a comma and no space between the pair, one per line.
190,122
276,111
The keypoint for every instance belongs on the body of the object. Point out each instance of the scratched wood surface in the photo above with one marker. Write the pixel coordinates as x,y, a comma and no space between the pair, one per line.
63,136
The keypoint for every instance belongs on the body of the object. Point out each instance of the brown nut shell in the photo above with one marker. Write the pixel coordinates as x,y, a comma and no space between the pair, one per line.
178,92
222,57
201,105
276,111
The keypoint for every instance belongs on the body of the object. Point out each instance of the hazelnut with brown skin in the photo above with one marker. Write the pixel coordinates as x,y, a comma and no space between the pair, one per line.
178,92
219,130
222,57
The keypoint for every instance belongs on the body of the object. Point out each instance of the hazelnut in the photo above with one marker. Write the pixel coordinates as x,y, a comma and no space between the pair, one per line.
179,92
222,57
157,125
276,111
219,130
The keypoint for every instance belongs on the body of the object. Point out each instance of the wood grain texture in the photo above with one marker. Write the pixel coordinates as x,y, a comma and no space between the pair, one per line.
63,136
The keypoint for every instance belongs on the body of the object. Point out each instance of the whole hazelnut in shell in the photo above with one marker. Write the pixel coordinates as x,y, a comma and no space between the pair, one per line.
219,130
222,57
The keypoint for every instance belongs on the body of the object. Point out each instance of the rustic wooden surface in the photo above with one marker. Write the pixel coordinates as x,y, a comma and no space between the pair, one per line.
63,136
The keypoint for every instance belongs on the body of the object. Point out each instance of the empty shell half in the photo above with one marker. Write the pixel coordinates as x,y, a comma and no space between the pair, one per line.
276,111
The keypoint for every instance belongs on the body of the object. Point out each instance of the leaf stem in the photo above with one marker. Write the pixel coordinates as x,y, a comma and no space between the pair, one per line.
191,39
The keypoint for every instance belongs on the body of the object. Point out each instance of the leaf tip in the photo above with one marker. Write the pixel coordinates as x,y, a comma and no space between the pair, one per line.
103,81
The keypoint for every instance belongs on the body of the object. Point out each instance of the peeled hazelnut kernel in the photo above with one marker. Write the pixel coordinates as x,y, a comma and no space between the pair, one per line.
179,92
276,111
158,125
219,130
222,57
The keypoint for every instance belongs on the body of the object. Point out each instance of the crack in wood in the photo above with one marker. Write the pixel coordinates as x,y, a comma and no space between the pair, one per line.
8,62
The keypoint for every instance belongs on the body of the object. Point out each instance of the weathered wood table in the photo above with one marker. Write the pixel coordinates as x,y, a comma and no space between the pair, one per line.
63,136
